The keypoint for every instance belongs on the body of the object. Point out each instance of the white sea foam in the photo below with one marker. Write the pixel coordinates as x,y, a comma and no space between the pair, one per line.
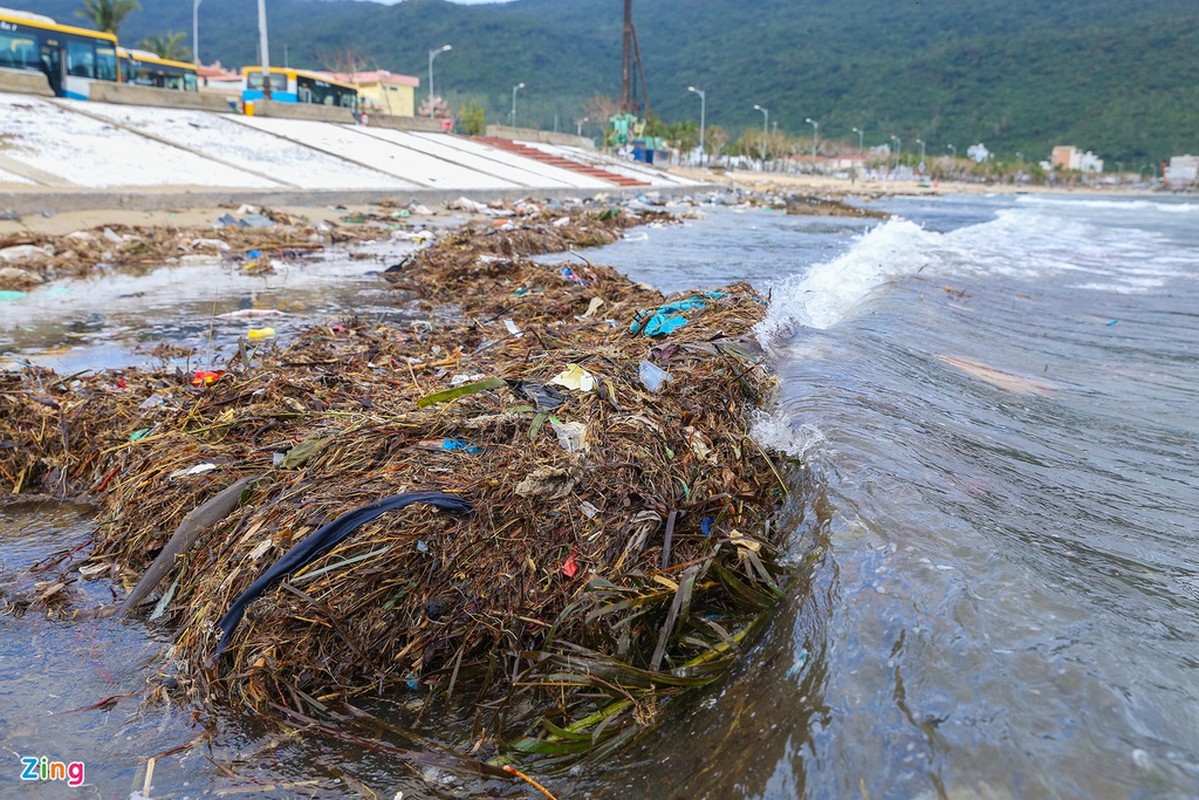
1120,205
826,293
775,431
1025,243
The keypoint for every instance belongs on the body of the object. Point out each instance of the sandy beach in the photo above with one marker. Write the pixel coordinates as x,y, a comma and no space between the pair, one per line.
57,224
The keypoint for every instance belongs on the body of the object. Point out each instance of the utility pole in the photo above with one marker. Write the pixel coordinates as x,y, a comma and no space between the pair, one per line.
703,111
627,58
264,51
196,32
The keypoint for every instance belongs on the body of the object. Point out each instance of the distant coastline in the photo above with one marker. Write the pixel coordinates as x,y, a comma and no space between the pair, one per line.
838,187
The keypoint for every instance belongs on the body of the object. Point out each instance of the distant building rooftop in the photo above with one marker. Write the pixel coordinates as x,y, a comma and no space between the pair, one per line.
375,76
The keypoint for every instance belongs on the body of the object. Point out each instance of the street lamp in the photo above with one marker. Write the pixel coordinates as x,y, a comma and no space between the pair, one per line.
515,89
952,150
815,137
196,32
898,149
703,109
579,126
432,55
921,166
765,131
860,133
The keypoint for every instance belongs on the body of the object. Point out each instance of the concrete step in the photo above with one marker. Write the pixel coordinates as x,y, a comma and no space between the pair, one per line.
560,162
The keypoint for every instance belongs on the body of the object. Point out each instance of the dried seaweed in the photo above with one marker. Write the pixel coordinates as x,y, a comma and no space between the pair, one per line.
619,553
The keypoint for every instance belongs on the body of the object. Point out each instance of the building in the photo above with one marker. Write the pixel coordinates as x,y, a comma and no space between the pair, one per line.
1183,172
1071,158
383,92
215,79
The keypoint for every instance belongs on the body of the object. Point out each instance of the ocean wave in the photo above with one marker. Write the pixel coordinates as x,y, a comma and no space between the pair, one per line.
1120,205
1024,243
825,294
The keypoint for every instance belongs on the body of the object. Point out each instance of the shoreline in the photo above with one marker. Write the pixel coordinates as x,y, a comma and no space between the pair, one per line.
59,213
172,209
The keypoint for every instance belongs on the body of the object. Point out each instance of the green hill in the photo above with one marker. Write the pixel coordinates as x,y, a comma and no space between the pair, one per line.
1105,75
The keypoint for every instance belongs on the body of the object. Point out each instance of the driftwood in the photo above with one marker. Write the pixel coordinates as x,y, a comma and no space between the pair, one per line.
203,517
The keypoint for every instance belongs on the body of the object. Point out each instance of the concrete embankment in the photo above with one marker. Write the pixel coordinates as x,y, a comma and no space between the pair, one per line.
60,155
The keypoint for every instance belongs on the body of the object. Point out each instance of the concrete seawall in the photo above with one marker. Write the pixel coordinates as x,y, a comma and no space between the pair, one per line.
133,95
24,82
65,155
534,135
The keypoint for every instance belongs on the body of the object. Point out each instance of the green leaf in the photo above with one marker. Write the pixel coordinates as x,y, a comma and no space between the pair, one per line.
460,391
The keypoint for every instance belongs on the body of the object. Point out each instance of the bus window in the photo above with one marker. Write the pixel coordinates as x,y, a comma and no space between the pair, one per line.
106,63
81,59
18,51
278,82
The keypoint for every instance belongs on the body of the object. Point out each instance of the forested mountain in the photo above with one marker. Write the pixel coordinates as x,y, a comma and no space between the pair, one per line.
1107,75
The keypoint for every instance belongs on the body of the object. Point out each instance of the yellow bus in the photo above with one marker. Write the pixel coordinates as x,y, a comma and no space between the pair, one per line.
143,68
70,58
299,86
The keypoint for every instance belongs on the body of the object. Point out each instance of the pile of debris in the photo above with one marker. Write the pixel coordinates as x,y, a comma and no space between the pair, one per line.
548,497
30,259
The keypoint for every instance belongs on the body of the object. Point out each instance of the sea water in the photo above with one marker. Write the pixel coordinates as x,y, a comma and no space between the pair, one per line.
997,403
994,402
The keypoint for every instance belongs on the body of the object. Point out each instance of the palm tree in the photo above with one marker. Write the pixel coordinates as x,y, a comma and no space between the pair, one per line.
167,46
107,14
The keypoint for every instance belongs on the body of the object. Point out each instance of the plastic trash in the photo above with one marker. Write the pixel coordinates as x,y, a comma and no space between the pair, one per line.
259,334
226,220
575,377
256,221
573,276
571,435
666,319
325,538
459,444
198,469
652,376
539,394
592,307
22,252
206,377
